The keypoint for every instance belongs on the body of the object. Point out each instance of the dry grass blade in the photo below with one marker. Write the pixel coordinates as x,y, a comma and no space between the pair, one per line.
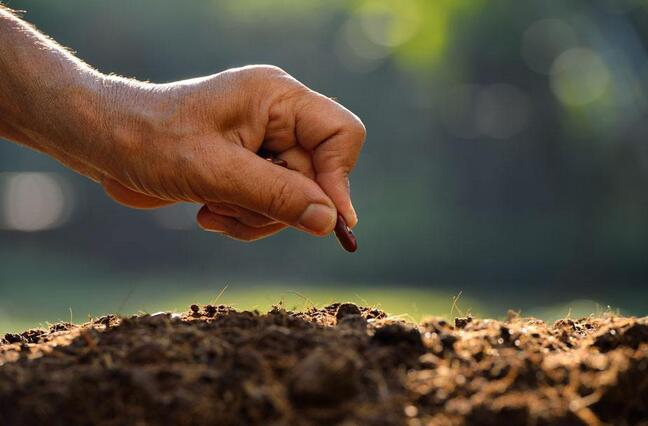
220,294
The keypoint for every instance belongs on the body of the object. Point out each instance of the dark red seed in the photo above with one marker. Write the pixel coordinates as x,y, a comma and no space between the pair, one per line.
345,235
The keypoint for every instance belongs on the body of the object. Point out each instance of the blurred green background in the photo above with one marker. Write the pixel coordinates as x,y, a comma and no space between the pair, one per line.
506,159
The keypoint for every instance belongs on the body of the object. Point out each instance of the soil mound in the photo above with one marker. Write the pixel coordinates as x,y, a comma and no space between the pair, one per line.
341,364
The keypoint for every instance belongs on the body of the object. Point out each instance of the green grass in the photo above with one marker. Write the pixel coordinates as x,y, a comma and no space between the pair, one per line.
63,290
31,303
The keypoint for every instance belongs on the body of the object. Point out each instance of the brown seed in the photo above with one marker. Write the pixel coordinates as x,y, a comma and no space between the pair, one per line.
345,235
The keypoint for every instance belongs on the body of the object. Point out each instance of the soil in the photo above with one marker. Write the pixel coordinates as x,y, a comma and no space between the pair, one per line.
341,364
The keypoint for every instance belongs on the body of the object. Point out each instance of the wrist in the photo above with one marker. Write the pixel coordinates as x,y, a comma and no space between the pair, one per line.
130,114
67,117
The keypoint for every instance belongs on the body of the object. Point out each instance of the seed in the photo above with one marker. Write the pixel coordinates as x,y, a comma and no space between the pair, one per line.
343,233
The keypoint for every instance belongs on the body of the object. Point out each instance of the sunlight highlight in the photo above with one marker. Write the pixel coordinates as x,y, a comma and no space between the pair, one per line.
34,201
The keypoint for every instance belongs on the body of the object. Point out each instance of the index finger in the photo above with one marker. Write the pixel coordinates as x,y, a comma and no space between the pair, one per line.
335,137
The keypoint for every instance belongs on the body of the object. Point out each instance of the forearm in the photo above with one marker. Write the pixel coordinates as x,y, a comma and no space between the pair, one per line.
55,103
194,140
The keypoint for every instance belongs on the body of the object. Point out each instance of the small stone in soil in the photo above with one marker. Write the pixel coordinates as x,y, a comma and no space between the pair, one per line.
346,309
462,322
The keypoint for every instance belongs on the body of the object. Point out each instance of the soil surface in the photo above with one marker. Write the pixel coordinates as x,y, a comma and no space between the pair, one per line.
337,365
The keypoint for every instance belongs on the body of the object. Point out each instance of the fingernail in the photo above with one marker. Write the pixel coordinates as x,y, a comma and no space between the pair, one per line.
318,218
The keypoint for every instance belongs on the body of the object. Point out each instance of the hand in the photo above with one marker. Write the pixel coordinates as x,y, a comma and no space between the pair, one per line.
151,145
197,141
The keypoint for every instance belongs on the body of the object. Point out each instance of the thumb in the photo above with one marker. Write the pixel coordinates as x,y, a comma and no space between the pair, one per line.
279,193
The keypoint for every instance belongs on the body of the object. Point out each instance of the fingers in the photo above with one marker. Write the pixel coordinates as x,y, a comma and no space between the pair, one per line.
130,198
231,227
245,216
335,137
284,195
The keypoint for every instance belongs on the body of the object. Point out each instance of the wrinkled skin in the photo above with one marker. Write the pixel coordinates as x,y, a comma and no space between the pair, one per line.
151,145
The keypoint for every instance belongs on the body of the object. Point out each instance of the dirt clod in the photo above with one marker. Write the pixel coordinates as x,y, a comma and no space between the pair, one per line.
325,377
462,322
399,334
631,335
347,309
13,338
341,364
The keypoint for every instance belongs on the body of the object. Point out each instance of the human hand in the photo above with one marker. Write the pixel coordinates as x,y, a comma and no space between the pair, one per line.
151,145
198,140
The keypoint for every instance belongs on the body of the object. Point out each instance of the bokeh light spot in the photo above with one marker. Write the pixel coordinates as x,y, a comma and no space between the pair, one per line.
389,22
579,76
356,51
34,201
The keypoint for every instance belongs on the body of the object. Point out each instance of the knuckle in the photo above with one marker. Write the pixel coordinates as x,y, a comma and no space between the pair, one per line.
358,130
271,69
261,71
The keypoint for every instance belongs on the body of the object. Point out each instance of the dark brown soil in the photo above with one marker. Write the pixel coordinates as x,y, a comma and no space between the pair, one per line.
337,365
